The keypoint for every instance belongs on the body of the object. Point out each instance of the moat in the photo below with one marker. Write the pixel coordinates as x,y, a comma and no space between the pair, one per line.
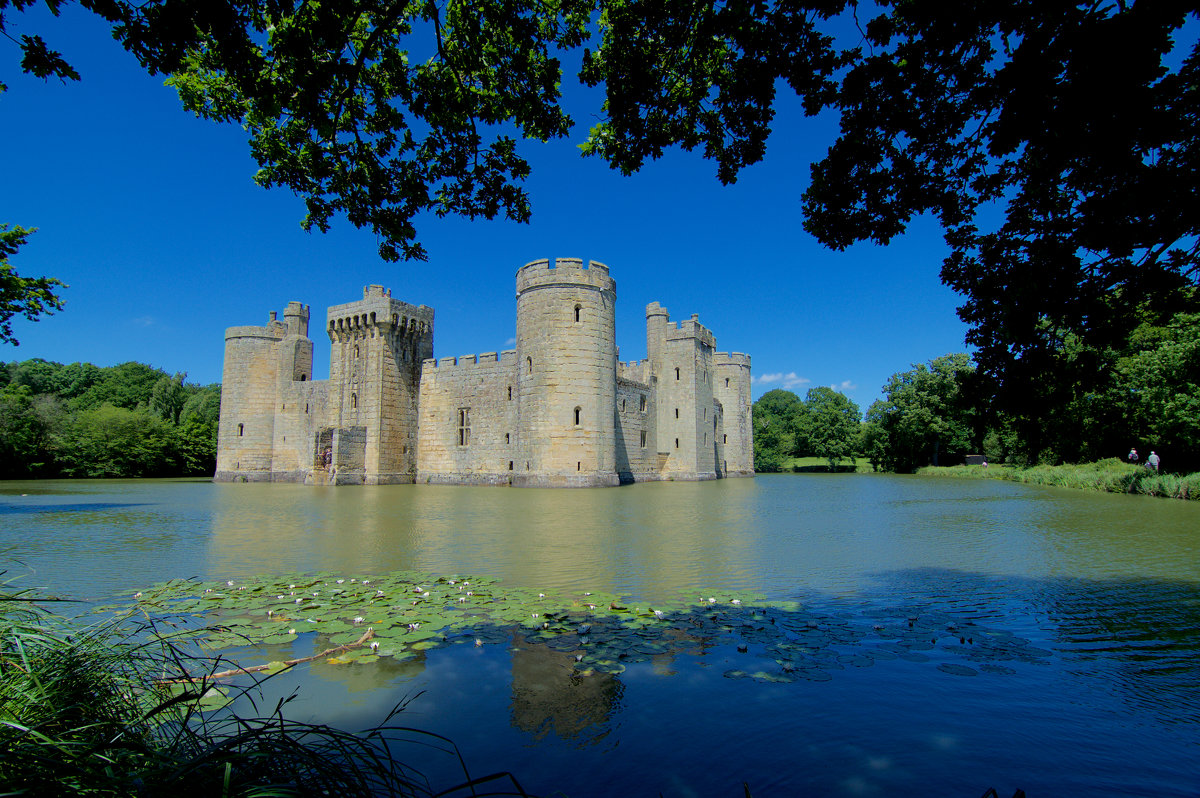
1083,679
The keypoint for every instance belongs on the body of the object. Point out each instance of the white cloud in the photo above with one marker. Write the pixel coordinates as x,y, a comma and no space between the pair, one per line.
511,342
789,381
844,386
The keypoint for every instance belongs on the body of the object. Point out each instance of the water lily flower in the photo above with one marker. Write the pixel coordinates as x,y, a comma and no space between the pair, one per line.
299,600
359,619
658,613
341,581
374,646
462,599
366,581
291,586
137,594
541,595
229,584
291,631
478,641
470,592
736,601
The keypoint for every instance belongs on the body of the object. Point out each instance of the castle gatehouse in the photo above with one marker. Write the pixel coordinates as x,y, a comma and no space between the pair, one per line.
558,411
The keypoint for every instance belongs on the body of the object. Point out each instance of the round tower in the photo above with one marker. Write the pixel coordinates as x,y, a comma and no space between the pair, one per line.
246,429
567,374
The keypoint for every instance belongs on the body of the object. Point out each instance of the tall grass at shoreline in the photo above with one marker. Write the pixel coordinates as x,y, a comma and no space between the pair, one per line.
1110,476
115,709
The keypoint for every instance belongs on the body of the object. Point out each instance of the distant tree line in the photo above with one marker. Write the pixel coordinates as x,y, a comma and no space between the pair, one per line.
81,420
1094,404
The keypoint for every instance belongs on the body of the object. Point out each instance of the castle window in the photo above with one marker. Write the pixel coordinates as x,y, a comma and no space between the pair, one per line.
356,353
578,413
353,401
464,426
578,311
642,403
528,365
305,408
622,405
510,393
724,439
507,438
706,439
677,372
726,382
303,377
706,413
643,439
241,429
510,468
676,443
578,465
677,412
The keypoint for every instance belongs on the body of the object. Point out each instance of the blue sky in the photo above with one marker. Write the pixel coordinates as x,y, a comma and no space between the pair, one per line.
152,218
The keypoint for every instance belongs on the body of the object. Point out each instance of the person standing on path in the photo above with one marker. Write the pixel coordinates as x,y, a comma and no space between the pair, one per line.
1152,462
1132,456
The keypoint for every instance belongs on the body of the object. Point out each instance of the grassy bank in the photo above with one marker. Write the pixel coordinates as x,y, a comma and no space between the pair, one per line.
820,464
115,709
1110,476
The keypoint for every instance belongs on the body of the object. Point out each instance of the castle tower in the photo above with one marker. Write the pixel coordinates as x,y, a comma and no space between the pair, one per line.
567,363
687,416
731,387
376,349
246,429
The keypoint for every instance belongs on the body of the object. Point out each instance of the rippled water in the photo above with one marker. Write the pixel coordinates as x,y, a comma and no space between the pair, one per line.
1063,627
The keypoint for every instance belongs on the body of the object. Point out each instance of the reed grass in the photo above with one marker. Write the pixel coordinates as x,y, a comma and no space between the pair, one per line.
110,709
1110,476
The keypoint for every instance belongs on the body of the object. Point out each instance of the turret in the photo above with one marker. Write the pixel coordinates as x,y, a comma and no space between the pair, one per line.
567,363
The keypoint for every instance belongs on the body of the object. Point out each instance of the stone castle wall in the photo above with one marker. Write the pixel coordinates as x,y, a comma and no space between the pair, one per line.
559,410
468,420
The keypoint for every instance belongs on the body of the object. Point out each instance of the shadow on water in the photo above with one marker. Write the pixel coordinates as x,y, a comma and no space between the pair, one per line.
88,507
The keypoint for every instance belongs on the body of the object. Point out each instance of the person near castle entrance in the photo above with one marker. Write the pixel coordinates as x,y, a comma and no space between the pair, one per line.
1132,456
1152,462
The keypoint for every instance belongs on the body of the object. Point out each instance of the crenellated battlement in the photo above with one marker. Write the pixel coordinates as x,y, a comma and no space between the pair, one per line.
691,328
377,314
731,359
564,271
466,362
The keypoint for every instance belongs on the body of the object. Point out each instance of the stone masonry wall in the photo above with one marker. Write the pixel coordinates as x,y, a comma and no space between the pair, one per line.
468,420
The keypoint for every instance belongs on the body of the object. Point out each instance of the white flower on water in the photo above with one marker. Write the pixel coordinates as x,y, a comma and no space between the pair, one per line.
541,595
712,600
229,584
378,592
359,619
292,586
279,597
478,641
537,615
470,592
462,599
341,581
374,646
366,581
453,582
658,613
299,600
736,601
138,594
291,631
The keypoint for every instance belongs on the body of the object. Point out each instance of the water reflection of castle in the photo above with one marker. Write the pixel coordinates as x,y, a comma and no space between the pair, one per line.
549,695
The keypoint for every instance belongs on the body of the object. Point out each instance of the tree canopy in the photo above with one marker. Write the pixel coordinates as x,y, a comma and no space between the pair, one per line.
1054,141
26,296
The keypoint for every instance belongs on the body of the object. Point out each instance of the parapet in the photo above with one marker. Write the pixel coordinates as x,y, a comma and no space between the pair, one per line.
731,359
564,271
692,329
377,313
484,359
655,309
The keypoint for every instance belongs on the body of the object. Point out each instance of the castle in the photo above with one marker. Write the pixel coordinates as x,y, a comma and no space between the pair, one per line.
558,411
